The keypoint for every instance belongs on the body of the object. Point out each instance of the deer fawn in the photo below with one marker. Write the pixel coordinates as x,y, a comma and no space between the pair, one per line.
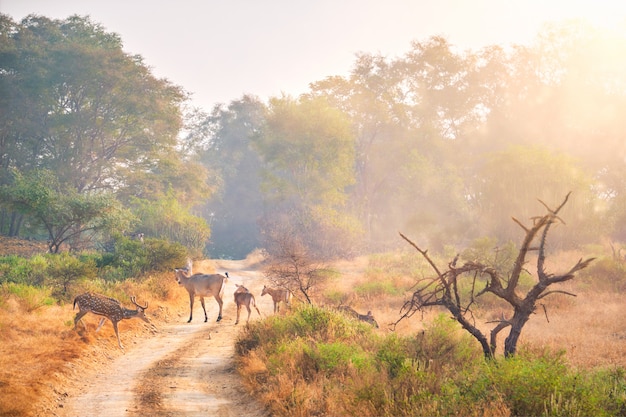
243,297
279,295
110,308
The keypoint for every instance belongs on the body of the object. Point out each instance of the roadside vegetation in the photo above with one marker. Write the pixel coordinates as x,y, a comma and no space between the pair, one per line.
39,346
316,361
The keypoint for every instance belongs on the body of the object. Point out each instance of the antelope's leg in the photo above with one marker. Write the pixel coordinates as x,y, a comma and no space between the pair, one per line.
249,311
191,297
238,311
220,302
79,316
117,334
206,318
101,323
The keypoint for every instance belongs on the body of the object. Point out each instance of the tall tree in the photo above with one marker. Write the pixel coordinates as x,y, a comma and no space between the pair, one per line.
308,151
74,103
226,141
95,114
69,218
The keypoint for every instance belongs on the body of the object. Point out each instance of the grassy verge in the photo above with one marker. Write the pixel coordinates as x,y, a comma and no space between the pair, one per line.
316,361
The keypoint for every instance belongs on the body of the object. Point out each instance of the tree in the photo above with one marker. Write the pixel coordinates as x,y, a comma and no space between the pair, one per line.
307,149
229,150
68,217
444,289
509,179
167,218
74,103
290,264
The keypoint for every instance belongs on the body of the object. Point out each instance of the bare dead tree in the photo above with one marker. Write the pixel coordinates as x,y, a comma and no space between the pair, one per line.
291,266
443,288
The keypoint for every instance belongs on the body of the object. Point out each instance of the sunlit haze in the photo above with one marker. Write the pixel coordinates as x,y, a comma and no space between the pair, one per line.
220,50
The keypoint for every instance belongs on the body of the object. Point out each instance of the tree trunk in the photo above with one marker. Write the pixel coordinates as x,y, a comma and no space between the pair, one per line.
517,323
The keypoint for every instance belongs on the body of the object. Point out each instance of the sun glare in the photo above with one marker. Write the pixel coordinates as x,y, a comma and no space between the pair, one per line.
607,15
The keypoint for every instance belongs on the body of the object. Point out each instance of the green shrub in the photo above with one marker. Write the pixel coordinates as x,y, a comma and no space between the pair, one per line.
606,274
374,289
19,270
30,297
439,372
133,258
65,270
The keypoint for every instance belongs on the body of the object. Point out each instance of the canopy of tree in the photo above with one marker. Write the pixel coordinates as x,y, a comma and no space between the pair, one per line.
441,144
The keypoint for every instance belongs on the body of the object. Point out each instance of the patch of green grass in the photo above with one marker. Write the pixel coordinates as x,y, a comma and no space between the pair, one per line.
30,297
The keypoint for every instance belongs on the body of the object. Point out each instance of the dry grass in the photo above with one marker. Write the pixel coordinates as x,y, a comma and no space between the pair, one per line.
40,351
590,327
35,350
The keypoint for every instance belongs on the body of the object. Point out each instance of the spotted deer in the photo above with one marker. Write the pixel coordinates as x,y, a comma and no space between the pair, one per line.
243,297
278,295
108,307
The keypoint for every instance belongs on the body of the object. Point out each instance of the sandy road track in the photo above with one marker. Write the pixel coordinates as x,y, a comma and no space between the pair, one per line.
186,369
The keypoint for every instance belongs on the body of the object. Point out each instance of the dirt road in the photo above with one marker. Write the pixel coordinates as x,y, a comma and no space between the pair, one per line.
186,369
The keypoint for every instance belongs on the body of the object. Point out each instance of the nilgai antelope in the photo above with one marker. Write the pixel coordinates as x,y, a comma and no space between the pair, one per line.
202,285
110,308
278,295
368,318
243,297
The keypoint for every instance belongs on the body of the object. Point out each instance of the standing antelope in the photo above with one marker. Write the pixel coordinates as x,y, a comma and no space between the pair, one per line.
243,297
202,285
110,308
278,295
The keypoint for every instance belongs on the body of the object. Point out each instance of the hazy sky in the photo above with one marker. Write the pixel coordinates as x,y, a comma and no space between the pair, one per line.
219,50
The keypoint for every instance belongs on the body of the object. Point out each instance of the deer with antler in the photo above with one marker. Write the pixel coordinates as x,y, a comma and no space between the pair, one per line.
108,307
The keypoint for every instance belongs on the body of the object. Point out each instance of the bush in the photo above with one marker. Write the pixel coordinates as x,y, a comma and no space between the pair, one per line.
133,258
65,270
16,269
440,372
30,297
606,274
375,289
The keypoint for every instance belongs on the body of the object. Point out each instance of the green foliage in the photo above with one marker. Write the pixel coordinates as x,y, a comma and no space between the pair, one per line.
374,289
65,270
439,372
308,149
166,218
65,214
30,296
16,269
133,258
605,274
543,384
